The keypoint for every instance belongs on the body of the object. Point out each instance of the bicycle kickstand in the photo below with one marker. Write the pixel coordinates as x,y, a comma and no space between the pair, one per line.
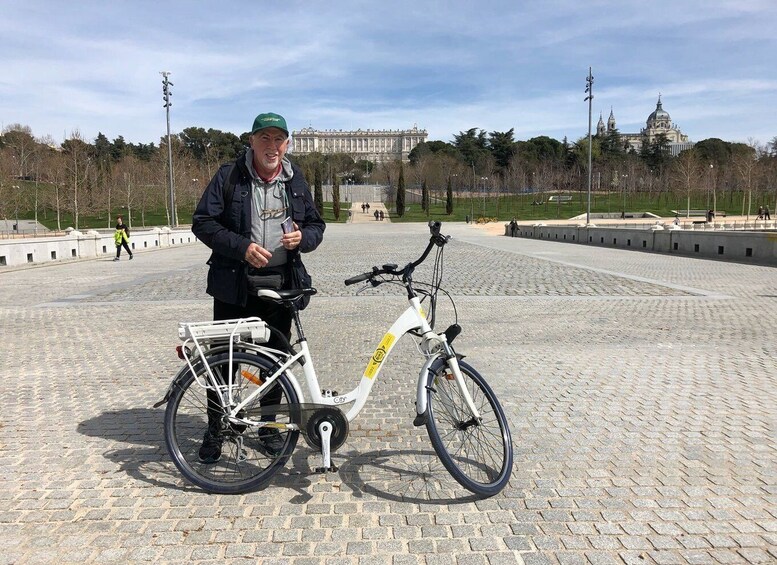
325,429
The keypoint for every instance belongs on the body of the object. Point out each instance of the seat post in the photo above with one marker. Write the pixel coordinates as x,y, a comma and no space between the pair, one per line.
297,322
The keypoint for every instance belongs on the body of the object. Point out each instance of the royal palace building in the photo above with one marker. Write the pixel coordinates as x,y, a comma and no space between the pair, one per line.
369,145
658,122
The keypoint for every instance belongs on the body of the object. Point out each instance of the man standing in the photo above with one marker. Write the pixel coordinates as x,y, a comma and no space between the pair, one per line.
239,217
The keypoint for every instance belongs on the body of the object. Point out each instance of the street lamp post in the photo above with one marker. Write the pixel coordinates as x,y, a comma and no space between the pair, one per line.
36,205
589,88
16,190
714,193
625,188
484,179
471,196
166,84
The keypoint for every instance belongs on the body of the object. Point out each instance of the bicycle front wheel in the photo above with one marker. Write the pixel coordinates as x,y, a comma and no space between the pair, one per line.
223,456
477,453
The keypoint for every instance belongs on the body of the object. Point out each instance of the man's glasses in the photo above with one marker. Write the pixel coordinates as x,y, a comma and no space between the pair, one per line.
272,213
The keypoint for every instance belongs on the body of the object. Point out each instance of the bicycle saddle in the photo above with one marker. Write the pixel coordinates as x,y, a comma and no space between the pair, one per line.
286,295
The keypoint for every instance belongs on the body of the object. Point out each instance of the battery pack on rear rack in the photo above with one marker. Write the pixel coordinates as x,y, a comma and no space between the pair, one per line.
244,329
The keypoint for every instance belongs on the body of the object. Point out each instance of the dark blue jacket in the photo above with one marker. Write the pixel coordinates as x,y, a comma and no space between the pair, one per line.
228,232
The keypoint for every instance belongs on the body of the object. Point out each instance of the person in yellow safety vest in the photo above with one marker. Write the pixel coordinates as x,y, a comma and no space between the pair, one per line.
121,238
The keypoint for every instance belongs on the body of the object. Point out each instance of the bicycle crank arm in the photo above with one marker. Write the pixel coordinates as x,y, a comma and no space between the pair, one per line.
325,429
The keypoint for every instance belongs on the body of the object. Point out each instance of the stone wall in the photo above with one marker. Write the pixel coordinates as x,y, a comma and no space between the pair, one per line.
757,247
80,245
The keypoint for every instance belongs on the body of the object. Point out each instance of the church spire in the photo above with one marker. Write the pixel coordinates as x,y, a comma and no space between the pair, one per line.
600,125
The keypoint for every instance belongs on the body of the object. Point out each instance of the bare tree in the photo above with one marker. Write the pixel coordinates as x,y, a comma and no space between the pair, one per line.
6,182
22,145
77,164
686,170
745,165
53,174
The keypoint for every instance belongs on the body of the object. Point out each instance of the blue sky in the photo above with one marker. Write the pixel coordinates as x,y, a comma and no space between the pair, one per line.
446,66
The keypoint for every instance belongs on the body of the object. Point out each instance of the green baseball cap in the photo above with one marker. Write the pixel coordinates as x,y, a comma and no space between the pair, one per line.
269,120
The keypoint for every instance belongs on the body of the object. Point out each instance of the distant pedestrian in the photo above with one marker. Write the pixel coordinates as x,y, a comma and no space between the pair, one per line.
767,215
513,227
121,238
363,207
381,215
367,204
677,219
376,215
760,213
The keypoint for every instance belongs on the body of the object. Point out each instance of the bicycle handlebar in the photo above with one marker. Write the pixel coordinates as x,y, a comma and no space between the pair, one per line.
358,279
436,239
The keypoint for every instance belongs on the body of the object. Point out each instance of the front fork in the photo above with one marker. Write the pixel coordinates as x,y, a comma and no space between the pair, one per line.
433,365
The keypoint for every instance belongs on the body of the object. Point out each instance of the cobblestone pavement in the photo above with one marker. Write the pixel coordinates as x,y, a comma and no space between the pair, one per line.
641,391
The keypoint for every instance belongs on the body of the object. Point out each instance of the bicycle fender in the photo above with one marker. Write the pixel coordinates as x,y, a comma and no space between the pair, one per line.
431,366
177,377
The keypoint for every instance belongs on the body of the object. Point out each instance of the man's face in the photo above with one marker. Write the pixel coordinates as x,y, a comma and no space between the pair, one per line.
269,147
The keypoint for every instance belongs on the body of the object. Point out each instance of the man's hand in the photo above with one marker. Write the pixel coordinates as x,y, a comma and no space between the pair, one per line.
257,256
292,239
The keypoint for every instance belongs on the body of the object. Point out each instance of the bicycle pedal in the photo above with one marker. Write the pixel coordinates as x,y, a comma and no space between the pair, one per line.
330,469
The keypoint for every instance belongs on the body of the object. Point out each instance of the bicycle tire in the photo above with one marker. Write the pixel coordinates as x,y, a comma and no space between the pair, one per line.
479,455
245,464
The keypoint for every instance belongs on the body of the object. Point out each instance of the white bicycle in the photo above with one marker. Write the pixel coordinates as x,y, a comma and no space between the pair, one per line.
251,392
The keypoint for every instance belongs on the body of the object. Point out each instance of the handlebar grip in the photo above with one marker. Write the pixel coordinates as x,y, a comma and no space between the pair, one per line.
357,279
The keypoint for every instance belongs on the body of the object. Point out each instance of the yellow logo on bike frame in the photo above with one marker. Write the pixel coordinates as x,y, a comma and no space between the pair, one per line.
379,355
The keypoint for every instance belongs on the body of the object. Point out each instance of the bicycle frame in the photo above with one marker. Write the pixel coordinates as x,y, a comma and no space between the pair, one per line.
434,346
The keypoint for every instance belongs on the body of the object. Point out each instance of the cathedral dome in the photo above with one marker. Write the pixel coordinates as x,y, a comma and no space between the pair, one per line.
659,114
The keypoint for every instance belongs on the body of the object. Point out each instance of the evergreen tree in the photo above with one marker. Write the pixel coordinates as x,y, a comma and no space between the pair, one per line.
656,154
318,190
612,144
119,149
336,196
401,191
449,198
502,147
472,144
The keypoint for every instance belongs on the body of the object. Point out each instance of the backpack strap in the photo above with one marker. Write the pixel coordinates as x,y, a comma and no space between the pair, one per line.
233,177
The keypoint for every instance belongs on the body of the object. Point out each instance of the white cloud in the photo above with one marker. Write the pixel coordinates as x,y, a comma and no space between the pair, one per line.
446,66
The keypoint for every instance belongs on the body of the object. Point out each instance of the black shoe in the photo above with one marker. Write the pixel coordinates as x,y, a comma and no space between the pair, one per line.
131,256
271,442
210,451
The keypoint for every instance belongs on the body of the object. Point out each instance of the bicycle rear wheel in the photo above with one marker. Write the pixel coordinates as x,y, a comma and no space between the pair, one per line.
245,461
478,454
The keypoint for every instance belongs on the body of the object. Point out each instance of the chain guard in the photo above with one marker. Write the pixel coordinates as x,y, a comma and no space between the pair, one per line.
308,417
